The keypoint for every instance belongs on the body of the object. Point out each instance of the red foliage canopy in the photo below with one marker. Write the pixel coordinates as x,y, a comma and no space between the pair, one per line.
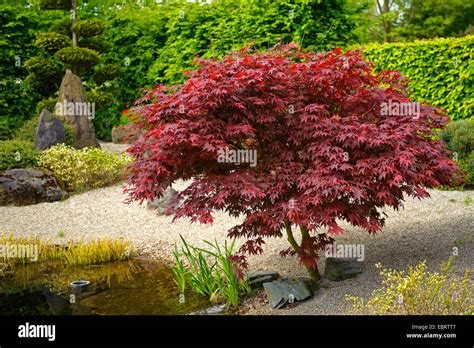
326,151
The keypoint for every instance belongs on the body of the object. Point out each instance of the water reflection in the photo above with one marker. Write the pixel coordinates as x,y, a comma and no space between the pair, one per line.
120,288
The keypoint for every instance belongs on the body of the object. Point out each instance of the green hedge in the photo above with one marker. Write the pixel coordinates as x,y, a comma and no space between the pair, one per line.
440,71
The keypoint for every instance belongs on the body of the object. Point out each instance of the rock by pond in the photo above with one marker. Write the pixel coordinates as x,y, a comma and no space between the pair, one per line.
218,309
341,268
284,291
29,186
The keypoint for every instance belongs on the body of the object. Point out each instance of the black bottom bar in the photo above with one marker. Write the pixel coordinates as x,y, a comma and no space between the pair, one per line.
136,331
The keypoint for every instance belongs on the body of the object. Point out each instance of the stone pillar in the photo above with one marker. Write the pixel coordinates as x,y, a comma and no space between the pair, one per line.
76,112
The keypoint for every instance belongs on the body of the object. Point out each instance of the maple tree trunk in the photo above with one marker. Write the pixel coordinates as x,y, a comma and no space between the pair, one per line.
313,272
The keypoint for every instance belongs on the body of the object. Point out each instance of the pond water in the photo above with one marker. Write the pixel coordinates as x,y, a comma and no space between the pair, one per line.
136,287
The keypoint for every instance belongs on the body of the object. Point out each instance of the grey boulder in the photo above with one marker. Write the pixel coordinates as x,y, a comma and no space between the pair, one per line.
75,111
341,268
29,186
50,131
282,292
256,279
166,204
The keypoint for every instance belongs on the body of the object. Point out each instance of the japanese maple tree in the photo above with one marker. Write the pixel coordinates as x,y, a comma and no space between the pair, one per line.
326,152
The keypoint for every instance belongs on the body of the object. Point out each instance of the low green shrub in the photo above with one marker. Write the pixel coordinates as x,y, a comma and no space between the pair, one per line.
459,138
107,110
467,167
100,99
80,60
16,153
470,169
83,169
46,103
5,130
27,131
89,27
52,42
419,292
212,273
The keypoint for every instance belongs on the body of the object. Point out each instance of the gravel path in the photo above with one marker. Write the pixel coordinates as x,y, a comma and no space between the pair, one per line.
427,229
111,147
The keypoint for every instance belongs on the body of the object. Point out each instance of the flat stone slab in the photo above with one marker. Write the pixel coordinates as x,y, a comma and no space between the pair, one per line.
256,279
282,292
338,269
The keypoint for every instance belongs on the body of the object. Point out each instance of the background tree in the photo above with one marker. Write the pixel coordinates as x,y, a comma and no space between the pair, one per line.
434,18
72,43
19,24
407,20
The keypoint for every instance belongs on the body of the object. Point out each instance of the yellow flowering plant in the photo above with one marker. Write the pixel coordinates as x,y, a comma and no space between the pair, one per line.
83,169
419,292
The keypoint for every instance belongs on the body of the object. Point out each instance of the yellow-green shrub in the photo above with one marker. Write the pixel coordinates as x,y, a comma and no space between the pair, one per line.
419,292
83,169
